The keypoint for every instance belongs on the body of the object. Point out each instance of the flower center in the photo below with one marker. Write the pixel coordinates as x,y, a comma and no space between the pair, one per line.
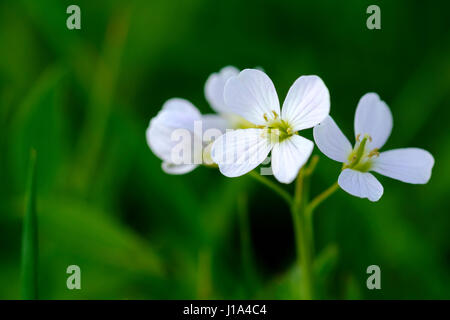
237,122
361,158
278,129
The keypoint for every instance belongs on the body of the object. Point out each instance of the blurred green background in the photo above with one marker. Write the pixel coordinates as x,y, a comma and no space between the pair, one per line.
83,100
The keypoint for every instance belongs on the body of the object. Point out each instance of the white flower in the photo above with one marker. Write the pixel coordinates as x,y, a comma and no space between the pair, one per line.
252,95
373,125
214,88
179,135
180,128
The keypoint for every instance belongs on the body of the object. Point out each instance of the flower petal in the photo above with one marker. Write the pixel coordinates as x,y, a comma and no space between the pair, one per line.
214,121
252,95
307,103
374,118
410,165
214,88
177,116
289,156
179,105
331,141
360,184
240,151
176,169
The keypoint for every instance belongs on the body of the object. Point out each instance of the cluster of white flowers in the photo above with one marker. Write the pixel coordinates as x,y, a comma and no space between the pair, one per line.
250,124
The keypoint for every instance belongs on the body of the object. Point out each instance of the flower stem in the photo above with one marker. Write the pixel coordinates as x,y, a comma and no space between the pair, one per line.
321,197
272,185
302,217
312,165
303,236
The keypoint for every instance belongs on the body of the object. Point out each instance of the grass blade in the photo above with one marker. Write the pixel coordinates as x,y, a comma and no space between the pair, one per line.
30,237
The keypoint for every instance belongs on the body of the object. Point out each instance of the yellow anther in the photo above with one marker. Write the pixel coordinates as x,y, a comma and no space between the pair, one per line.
357,137
275,114
367,137
374,152
265,117
289,131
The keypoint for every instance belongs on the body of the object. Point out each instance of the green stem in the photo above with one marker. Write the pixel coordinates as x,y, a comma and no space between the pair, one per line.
303,236
312,165
321,197
298,225
30,237
302,217
272,185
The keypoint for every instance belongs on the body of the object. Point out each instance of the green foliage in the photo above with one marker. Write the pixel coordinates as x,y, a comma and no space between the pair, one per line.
30,244
83,100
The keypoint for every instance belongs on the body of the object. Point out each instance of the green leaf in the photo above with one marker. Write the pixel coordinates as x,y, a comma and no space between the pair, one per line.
39,123
85,231
324,265
30,243
111,256
286,286
326,261
352,288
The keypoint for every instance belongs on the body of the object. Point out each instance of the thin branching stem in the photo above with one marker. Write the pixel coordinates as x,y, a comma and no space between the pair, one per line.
272,185
303,236
321,197
302,210
312,165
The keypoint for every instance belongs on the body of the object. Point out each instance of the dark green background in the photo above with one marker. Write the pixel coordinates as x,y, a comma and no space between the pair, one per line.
84,98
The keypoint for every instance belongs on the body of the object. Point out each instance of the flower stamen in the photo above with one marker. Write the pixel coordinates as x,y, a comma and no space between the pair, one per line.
279,128
360,159
374,153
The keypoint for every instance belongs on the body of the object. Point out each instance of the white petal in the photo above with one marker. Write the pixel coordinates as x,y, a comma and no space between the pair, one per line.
176,115
240,151
252,95
289,156
374,118
179,105
214,88
307,103
171,168
213,127
360,184
331,141
179,113
214,121
411,165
